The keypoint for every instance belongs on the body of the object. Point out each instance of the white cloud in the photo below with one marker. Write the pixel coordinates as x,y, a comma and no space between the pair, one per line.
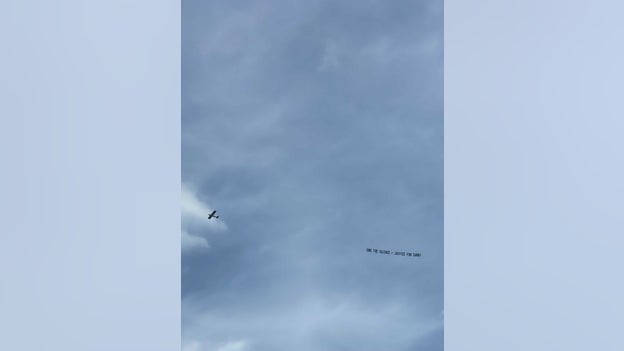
312,322
239,345
191,205
195,221
192,242
192,346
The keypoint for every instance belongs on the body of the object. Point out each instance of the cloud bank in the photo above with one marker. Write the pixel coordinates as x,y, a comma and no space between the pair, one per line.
316,129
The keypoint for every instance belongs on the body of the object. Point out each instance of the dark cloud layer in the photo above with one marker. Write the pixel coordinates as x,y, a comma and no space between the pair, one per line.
316,130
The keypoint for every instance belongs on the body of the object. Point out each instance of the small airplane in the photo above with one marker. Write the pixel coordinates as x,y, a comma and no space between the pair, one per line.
212,215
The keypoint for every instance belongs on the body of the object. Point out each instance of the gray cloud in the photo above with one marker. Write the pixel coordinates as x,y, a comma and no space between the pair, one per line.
316,130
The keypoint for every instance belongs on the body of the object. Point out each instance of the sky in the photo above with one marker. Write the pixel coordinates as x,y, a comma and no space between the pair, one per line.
315,129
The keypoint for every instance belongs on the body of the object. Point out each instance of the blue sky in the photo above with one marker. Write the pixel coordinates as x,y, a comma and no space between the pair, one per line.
315,129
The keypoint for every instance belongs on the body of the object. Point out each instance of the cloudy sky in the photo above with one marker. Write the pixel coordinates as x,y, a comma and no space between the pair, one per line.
315,129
